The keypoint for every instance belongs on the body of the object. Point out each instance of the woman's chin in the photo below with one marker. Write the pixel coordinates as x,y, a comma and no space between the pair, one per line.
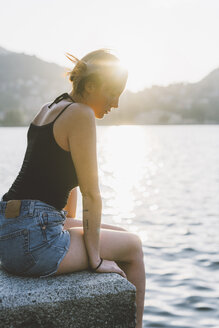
99,115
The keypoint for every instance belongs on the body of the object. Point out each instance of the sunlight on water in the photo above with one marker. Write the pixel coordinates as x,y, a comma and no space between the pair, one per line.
127,168
122,160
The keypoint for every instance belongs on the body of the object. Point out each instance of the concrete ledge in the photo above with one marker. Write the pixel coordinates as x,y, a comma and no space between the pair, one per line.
78,300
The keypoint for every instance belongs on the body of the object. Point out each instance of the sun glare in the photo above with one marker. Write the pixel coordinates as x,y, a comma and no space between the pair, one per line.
139,74
121,171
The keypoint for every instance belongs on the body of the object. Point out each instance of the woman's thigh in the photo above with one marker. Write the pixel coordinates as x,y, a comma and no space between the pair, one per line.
120,246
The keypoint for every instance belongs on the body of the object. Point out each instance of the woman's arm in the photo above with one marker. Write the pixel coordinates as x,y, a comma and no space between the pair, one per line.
81,133
72,223
71,205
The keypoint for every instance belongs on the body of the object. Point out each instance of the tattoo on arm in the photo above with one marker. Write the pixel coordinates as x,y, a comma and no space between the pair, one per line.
85,219
86,224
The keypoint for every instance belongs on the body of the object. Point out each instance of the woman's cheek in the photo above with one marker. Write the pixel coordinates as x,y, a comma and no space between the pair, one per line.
108,101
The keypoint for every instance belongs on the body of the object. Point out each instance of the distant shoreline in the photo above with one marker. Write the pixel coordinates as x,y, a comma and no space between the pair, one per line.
149,124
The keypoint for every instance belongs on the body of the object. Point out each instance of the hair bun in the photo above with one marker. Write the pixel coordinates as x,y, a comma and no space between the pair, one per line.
78,71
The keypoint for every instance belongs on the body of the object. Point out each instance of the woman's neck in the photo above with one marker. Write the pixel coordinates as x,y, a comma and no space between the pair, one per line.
76,97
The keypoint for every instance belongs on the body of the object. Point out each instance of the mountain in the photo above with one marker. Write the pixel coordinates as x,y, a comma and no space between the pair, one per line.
180,103
4,51
27,82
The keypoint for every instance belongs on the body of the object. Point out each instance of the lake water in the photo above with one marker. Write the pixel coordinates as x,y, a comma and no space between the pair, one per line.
161,182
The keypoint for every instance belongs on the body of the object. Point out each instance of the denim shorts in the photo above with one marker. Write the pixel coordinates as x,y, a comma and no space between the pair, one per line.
34,242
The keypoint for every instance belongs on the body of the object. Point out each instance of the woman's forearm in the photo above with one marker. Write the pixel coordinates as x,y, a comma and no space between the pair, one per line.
73,223
92,209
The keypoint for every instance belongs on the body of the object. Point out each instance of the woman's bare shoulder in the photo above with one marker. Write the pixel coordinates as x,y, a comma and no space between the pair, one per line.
79,109
80,118
80,115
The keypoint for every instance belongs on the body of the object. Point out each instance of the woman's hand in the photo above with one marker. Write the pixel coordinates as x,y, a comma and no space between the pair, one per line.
71,205
110,266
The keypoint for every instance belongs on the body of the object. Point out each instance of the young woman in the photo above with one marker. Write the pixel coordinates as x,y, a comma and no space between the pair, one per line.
36,238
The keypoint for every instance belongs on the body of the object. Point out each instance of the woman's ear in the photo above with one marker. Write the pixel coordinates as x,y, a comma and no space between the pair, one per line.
90,87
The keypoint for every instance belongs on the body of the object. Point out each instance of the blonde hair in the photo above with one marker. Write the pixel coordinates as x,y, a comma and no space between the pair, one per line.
97,66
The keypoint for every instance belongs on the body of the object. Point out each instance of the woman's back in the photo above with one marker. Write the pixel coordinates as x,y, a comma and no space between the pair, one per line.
47,173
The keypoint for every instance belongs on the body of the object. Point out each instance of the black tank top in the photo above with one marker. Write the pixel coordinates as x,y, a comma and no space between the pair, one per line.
47,173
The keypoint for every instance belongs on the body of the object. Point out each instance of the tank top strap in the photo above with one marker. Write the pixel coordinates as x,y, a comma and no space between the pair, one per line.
59,98
61,112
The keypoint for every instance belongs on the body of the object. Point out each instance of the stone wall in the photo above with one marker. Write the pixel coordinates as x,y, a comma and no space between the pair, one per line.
78,300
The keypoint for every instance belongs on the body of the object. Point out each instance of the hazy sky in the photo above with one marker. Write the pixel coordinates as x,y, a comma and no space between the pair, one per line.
159,41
